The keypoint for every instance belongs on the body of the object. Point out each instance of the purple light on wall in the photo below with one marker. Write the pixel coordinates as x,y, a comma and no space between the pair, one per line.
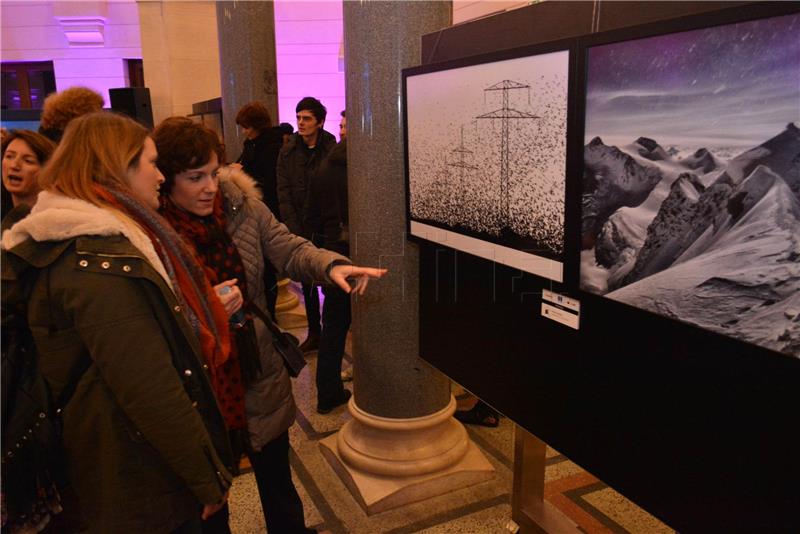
308,37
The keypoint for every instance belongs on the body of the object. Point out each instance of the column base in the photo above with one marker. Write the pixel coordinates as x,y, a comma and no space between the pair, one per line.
403,466
289,313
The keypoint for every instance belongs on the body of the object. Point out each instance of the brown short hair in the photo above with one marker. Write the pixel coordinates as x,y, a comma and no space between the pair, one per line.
41,145
61,107
254,115
98,148
183,144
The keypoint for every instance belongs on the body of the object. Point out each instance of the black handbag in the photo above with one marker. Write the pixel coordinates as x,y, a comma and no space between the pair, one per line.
283,342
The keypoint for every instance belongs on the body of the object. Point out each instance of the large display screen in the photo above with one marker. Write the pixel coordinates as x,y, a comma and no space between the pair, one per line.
691,182
486,151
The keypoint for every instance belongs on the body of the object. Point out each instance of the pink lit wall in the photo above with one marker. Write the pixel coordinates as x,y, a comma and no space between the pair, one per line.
309,49
87,42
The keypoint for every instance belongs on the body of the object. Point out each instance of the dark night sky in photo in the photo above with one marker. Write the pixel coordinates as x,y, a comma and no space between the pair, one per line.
733,85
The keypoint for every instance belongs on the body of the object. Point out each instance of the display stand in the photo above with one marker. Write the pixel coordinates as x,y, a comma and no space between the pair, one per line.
528,508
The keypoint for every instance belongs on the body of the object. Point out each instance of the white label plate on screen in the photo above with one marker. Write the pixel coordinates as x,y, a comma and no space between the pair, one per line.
563,309
560,315
561,300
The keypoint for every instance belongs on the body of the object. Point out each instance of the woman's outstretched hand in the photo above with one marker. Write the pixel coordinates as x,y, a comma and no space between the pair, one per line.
341,273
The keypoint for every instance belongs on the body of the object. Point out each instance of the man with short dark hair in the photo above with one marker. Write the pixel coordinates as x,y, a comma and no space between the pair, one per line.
299,159
327,216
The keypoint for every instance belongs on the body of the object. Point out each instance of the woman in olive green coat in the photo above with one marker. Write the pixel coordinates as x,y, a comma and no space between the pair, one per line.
115,315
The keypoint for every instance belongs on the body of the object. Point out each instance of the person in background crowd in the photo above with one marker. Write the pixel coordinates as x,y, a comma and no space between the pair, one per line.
24,154
259,159
219,211
286,132
297,163
127,324
62,107
327,217
262,144
347,374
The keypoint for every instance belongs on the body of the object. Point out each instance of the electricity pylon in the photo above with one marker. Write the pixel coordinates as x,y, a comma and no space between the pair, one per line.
461,152
506,114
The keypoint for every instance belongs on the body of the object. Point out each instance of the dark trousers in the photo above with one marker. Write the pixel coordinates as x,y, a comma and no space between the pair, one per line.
311,298
282,507
335,324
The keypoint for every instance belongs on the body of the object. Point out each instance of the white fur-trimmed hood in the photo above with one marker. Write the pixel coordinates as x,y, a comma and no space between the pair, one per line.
245,185
56,217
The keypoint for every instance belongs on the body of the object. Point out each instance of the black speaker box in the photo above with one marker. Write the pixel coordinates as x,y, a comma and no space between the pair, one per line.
134,102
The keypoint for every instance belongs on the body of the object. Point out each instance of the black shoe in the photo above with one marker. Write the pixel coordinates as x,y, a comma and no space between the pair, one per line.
328,408
480,414
310,344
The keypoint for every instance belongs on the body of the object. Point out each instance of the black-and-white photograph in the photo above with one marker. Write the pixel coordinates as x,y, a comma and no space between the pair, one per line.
487,159
691,183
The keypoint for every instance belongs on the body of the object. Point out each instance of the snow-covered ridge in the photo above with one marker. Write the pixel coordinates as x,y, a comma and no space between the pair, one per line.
715,243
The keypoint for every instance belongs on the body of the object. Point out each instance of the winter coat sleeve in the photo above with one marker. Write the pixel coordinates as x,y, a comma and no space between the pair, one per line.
288,212
134,360
292,255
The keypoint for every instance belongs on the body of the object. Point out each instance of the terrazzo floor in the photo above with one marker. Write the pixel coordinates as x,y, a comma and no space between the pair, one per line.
483,508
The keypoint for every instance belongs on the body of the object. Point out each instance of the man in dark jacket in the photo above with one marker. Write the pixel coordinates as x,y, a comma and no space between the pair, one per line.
326,216
297,163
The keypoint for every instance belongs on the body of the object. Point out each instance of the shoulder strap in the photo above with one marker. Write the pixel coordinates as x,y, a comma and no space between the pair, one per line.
265,317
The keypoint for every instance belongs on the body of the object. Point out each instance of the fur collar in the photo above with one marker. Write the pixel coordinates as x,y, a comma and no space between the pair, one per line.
56,217
237,186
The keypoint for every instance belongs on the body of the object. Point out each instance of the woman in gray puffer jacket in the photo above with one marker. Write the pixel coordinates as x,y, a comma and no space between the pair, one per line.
218,210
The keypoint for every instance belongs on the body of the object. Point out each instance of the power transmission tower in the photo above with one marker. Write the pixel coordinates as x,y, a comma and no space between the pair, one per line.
506,114
462,152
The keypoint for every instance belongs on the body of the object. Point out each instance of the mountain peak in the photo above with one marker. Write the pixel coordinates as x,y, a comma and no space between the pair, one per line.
701,159
646,142
651,149
596,142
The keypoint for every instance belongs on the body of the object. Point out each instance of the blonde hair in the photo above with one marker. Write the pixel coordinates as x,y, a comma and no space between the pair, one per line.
62,107
98,148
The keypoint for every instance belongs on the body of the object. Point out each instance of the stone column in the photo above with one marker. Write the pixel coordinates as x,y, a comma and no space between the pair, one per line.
248,69
402,444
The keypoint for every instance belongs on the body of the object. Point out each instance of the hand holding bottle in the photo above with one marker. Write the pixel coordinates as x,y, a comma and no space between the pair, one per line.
231,297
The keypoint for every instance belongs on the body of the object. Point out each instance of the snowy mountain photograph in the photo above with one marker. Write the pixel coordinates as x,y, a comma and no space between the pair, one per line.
487,159
691,181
